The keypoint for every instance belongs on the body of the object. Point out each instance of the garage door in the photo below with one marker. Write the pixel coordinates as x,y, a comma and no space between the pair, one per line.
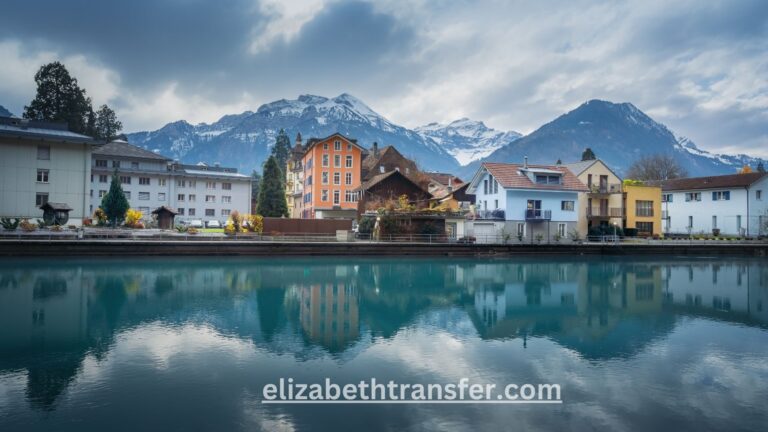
486,232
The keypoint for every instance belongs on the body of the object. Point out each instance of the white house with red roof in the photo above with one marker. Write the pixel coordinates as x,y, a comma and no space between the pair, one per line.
524,200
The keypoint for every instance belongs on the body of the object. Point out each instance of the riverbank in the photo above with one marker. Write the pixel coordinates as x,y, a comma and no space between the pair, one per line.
117,247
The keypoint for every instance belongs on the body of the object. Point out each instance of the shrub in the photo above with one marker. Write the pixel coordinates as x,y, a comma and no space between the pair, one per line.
255,223
574,235
56,228
10,224
630,232
133,218
100,216
366,225
605,230
235,221
229,228
87,221
27,226
181,228
428,228
557,237
191,230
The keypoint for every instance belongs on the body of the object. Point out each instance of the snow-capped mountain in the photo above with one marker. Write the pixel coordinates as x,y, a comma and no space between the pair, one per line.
4,112
467,140
244,140
618,133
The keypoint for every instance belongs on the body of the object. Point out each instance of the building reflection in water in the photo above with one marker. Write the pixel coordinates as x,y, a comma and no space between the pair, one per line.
52,317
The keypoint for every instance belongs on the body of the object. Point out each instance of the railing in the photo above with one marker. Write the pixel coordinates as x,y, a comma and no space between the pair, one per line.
644,212
538,215
497,214
605,188
605,212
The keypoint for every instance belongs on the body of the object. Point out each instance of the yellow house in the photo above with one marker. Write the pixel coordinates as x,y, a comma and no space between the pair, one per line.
642,206
603,203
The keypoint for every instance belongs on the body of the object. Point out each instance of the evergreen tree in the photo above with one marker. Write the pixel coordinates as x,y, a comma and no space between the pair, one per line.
588,154
114,203
107,126
282,149
760,167
59,99
255,187
272,191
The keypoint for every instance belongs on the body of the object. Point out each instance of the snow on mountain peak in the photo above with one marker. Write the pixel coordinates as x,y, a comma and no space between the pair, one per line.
467,140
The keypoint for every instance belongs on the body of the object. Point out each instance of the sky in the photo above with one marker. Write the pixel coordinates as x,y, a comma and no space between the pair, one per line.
700,67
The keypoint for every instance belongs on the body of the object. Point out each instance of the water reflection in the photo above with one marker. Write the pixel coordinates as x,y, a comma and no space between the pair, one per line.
55,315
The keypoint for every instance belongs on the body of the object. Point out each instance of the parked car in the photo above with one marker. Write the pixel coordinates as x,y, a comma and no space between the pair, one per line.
213,224
196,223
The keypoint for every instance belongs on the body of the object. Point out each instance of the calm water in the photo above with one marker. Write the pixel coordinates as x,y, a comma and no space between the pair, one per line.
187,344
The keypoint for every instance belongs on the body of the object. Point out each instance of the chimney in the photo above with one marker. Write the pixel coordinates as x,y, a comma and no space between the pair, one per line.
525,164
375,149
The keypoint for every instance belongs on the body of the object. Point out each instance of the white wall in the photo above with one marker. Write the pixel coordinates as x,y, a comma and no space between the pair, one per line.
517,203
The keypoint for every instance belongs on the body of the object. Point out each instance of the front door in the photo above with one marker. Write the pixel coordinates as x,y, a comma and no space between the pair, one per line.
534,208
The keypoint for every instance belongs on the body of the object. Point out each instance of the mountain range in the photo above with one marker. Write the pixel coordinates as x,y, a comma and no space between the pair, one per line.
4,112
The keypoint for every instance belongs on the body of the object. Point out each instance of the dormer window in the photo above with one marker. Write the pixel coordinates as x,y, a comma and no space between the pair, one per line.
381,169
547,179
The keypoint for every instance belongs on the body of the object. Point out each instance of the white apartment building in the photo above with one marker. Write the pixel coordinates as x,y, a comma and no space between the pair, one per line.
43,162
734,204
150,180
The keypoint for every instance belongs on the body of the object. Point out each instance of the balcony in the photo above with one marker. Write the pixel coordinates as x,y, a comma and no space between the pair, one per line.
497,214
538,215
605,212
604,189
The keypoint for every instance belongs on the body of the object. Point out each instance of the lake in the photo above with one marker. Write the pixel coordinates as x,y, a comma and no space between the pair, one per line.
636,343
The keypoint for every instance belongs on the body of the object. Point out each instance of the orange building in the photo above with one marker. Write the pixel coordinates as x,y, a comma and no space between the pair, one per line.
332,169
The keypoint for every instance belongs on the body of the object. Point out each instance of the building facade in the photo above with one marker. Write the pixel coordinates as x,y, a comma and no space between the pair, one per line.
602,203
150,180
732,204
332,172
294,180
530,201
43,162
642,208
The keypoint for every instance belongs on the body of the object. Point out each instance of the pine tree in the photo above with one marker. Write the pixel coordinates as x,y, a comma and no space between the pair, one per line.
107,126
588,154
282,149
59,99
114,203
255,188
272,192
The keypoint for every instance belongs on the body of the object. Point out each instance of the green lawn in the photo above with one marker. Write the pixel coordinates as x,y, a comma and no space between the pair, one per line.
211,230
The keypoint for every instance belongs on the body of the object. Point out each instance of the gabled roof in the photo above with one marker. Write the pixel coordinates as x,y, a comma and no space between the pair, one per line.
373,181
712,182
122,148
444,178
371,161
579,167
164,209
512,176
312,141
463,187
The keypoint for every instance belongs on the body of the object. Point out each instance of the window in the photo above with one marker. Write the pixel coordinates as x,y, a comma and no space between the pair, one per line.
143,196
127,194
325,146
102,178
181,211
349,147
644,227
225,212
134,165
144,180
758,195
44,152
714,222
521,229
210,198
192,197
666,197
324,195
485,187
91,194
115,164
337,161
40,199
193,184
738,224
181,183
644,208
337,178
337,145
226,199
350,196
721,196
325,177
495,204
561,229
42,176
161,196
210,185
348,161
690,222
102,193
547,179
336,197
192,212
567,206
226,186
692,196
180,197
125,179
381,169
495,186
210,212
348,178
99,163
309,181
325,160
161,182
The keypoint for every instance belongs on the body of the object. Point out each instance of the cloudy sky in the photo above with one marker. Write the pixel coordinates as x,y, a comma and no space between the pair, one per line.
700,67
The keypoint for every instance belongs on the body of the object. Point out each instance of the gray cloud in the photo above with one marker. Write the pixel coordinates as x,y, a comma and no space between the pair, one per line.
699,67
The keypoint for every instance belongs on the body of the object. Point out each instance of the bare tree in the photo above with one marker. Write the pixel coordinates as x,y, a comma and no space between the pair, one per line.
656,167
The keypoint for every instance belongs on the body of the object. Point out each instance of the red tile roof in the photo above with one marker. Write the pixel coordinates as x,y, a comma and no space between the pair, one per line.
713,182
510,176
